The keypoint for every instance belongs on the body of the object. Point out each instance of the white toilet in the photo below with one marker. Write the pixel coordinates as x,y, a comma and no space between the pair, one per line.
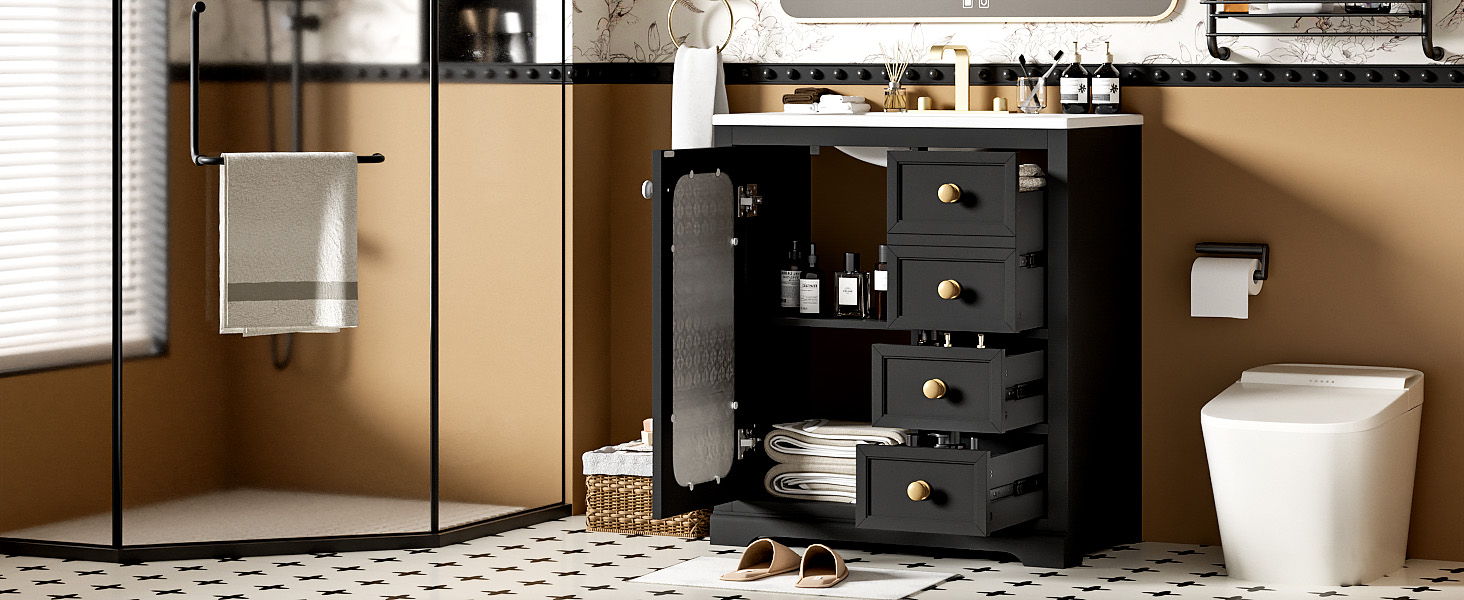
1312,467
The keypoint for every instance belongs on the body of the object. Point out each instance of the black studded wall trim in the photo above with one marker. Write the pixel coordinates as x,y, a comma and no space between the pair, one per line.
1446,76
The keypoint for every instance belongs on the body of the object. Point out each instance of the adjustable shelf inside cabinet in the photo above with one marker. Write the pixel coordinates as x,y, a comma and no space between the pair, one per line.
1422,12
201,159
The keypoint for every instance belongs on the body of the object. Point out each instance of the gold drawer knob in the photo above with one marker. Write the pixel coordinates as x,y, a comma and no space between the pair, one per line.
934,389
949,289
949,193
918,490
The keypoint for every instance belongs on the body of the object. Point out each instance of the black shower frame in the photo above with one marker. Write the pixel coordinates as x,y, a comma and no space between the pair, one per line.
436,536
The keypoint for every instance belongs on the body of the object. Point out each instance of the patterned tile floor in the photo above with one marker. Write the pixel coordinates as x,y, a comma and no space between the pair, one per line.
559,560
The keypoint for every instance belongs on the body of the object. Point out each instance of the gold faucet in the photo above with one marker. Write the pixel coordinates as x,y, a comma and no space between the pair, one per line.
963,72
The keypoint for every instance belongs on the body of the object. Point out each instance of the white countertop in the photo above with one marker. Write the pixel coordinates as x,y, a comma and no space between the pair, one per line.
946,120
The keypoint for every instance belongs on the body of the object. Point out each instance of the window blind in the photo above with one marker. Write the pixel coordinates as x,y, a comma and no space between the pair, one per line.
56,189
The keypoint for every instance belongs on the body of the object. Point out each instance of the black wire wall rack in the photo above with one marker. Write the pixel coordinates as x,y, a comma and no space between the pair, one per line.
1422,12
202,159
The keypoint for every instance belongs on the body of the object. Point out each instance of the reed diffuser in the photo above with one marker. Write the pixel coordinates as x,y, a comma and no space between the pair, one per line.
895,64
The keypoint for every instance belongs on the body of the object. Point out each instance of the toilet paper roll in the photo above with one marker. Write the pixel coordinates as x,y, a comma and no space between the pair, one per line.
1222,287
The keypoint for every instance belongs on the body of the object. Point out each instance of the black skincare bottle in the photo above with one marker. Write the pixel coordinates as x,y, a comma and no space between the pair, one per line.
808,286
849,285
1105,85
1073,87
881,286
788,283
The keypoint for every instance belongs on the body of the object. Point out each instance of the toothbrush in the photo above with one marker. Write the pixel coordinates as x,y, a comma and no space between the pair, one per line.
1022,59
1050,69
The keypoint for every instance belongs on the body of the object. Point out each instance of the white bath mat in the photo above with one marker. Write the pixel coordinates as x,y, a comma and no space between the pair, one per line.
863,582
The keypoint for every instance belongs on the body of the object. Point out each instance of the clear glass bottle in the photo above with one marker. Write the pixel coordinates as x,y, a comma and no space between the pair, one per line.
809,299
788,281
849,286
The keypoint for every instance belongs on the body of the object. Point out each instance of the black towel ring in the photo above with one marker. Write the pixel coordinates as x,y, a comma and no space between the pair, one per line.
670,12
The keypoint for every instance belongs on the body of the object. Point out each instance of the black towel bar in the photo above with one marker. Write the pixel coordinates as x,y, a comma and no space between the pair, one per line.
200,159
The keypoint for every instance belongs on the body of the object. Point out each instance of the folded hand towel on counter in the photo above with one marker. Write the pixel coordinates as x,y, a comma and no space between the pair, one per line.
698,91
821,437
827,480
287,243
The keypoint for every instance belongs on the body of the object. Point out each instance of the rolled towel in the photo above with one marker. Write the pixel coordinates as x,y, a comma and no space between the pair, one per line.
1029,170
824,438
1029,184
820,479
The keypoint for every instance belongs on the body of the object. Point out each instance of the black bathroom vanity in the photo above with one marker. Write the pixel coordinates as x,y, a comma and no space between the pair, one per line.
1010,348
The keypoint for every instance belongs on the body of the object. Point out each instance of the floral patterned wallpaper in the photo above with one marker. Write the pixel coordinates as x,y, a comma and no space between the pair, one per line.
634,31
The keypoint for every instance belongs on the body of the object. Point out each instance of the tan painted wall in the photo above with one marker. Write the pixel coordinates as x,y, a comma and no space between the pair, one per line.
1361,209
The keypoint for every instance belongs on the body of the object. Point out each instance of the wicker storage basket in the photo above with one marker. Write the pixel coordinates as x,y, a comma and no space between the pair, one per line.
622,504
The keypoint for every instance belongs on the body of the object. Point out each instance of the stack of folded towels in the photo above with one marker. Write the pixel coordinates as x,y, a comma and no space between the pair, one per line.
1030,178
823,100
816,458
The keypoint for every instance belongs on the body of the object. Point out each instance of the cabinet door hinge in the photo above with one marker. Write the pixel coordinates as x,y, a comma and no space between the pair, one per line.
746,442
1026,389
1031,260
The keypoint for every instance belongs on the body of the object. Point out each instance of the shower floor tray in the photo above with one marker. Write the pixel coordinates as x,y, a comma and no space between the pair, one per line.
252,514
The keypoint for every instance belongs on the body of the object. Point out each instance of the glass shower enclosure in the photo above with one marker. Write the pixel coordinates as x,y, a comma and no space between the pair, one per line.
439,419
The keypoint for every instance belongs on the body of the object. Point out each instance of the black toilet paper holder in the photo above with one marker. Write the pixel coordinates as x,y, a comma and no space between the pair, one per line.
1225,249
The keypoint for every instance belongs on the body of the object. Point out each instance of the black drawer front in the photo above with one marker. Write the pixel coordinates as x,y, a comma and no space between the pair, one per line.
978,390
996,294
970,492
988,204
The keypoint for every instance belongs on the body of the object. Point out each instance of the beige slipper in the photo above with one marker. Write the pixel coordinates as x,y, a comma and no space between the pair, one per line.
821,568
763,558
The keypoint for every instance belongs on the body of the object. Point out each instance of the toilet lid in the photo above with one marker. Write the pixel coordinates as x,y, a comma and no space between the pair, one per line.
1315,398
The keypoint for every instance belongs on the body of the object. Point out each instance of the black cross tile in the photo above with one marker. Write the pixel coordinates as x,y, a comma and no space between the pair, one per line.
471,578
1141,569
996,593
224,559
326,555
666,547
35,568
421,551
63,596
408,573
1455,570
569,597
576,531
732,597
178,592
1231,598
499,592
1439,579
293,563
597,588
633,556
1186,552
573,551
1163,561
514,547
666,593
915,565
1256,588
1091,588
508,568
373,582
348,568
1184,583
1020,583
231,597
545,539
439,586
615,543
276,586
600,565
1421,589
398,597
47,582
85,573
1207,574
980,569
566,573
534,582
1328,593
385,559
108,586
157,577
189,567
1162,593
1049,574
1068,597
209,582
1116,579
333,592
245,573
480,555
11,590
539,560
439,565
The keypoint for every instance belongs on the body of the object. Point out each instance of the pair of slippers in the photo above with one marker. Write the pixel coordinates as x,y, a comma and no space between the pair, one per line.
819,567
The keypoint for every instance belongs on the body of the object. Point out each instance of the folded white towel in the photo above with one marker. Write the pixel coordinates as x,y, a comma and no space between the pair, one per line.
843,108
800,108
824,438
826,480
1030,170
630,458
1029,184
287,243
836,99
698,91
